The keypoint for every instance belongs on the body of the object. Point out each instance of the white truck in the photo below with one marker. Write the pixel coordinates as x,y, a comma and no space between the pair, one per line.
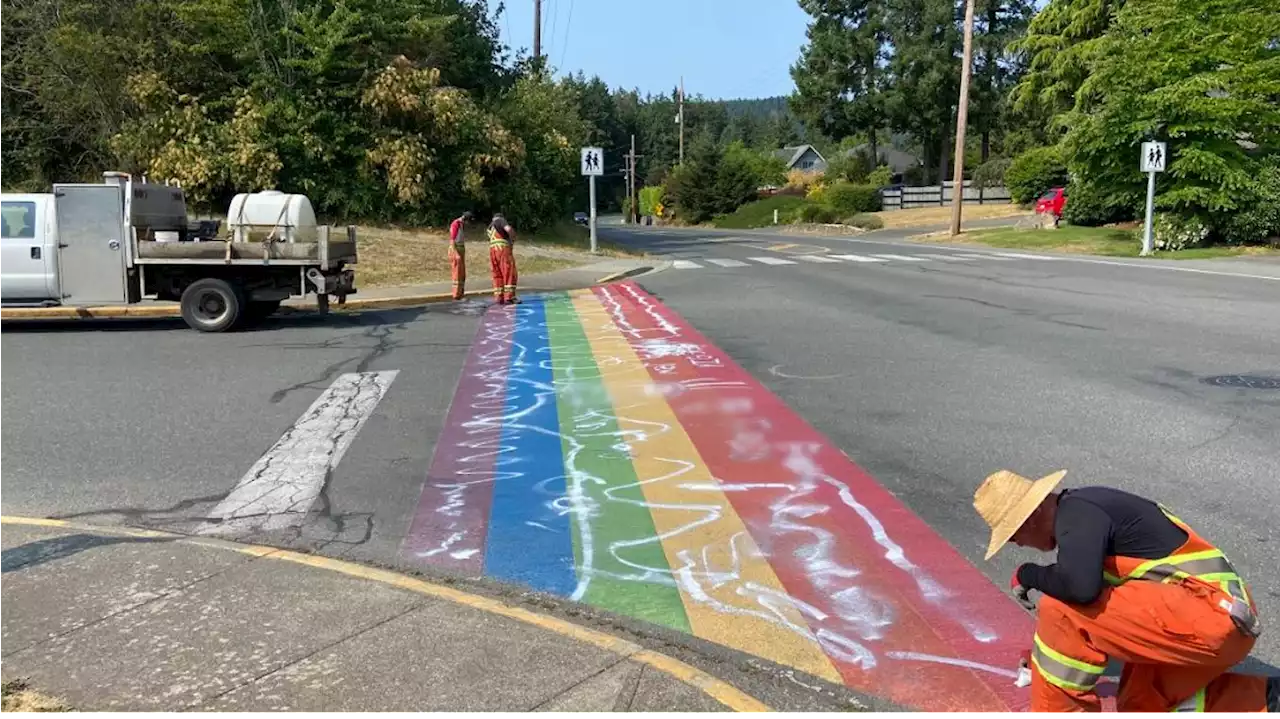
123,242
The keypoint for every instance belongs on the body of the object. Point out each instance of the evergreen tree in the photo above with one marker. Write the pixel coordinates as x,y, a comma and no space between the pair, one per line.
839,76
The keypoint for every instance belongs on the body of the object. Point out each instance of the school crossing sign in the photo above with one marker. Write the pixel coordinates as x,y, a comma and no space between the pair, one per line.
592,161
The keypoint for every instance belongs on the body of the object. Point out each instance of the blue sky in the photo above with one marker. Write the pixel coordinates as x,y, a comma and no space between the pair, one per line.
724,48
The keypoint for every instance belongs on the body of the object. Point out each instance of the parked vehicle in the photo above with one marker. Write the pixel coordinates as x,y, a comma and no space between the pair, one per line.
122,242
1052,202
581,218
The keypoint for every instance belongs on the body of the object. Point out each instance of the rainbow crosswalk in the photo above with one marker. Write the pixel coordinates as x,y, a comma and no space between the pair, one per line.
599,448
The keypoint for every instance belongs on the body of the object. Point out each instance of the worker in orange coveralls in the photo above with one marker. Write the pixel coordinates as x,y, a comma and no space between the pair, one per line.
458,254
502,260
1134,584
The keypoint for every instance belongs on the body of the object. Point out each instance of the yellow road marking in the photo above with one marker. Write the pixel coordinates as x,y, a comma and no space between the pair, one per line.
721,691
699,527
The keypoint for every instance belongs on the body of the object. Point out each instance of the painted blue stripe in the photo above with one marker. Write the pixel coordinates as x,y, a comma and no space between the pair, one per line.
530,540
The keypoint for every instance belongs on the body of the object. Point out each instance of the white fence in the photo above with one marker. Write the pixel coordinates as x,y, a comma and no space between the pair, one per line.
905,198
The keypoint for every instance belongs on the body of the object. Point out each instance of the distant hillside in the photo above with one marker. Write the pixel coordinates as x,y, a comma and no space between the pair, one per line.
762,108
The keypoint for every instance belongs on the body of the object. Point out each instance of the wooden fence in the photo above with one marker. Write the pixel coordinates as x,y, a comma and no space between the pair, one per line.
905,198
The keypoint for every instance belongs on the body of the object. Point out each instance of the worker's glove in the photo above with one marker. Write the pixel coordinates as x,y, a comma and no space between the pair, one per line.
1021,594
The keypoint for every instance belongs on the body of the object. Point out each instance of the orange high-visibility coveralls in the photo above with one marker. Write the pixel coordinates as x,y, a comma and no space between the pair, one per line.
1169,620
457,260
502,263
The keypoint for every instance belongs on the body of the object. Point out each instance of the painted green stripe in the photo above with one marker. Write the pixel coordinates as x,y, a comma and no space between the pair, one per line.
620,530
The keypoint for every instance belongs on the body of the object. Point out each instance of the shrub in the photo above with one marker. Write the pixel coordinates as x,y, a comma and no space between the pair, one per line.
850,199
865,221
1258,220
991,173
1091,207
815,213
882,176
1033,172
1172,232
803,179
850,166
650,199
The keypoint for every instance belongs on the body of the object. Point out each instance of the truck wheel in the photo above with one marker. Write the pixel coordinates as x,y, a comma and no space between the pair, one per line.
212,305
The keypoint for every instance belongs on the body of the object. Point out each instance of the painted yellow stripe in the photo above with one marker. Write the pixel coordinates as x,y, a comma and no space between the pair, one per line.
699,529
721,691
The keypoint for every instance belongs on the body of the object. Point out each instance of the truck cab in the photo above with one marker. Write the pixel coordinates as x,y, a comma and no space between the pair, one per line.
28,249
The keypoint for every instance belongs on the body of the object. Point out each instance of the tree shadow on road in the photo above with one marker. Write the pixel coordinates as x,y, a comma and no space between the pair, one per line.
52,549
286,319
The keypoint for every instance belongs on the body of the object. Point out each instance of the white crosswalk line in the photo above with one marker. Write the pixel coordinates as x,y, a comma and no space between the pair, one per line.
771,260
859,258
726,263
1020,256
905,258
279,489
686,265
948,258
817,259
976,256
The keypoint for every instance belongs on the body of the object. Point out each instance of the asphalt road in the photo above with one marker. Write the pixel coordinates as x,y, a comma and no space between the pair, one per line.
932,372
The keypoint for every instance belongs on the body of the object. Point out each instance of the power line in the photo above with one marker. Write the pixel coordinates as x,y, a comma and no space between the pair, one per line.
551,39
568,27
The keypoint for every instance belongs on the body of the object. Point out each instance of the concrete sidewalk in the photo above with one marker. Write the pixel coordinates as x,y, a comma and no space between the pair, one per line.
132,620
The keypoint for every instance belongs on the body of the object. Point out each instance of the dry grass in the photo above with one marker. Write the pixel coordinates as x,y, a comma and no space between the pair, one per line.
392,257
924,216
16,697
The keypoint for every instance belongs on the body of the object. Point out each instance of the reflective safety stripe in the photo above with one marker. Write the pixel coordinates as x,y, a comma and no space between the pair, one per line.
1063,671
1193,703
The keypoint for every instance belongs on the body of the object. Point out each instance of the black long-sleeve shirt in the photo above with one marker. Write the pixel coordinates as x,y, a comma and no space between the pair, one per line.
1092,524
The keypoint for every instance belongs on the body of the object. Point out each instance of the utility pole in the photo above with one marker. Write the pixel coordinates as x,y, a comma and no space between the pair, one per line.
962,119
537,29
635,192
680,119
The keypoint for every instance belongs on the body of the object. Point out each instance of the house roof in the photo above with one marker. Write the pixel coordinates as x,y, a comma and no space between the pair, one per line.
896,159
792,154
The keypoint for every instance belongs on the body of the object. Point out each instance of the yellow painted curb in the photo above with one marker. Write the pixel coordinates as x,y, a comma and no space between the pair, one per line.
723,692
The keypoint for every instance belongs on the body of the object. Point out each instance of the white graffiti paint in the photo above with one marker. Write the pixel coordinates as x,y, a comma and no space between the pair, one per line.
857,614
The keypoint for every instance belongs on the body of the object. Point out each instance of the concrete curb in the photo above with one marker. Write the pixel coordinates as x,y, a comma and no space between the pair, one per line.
633,272
721,691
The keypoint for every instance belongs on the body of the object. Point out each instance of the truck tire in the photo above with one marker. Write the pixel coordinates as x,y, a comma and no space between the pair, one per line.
212,305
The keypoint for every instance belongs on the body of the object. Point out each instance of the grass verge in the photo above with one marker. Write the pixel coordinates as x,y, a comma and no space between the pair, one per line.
760,213
15,696
391,257
1104,241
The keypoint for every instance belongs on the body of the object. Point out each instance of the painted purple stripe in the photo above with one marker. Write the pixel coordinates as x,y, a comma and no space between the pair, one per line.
450,525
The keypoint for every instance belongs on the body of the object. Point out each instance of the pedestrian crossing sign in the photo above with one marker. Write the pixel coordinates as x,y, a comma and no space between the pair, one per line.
1154,155
592,161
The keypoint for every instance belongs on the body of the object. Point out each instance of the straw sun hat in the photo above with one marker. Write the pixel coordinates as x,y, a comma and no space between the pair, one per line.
1006,500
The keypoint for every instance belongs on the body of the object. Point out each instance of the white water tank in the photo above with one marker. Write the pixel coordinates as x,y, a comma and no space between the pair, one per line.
255,216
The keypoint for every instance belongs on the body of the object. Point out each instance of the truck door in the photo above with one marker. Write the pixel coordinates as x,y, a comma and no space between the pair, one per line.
23,252
91,250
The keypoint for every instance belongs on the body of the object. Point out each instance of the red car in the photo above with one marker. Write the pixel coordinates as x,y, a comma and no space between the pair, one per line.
1052,202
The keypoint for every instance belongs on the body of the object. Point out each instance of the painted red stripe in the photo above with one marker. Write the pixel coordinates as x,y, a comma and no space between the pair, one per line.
875,574
450,526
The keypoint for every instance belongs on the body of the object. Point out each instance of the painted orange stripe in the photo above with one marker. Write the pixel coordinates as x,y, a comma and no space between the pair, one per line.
730,593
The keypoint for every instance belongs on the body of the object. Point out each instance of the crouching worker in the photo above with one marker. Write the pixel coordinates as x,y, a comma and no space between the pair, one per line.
502,260
1134,584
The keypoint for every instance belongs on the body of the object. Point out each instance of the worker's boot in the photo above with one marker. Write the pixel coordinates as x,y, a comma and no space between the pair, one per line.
1273,694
